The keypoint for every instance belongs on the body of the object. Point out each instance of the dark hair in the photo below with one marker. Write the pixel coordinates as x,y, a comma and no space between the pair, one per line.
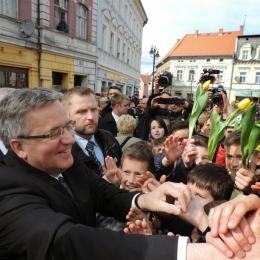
178,125
233,138
201,140
161,122
212,205
214,178
140,151
115,87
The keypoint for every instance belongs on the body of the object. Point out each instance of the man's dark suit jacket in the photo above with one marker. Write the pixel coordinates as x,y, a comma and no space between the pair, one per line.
107,143
40,220
110,124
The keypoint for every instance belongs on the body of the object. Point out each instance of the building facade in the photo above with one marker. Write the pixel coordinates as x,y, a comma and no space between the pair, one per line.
35,53
119,33
195,52
246,75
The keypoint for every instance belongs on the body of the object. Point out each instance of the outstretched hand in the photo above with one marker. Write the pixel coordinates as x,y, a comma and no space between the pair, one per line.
158,199
111,172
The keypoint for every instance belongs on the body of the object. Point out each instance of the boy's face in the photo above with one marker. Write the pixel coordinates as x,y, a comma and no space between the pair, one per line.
182,134
131,171
202,156
203,195
233,158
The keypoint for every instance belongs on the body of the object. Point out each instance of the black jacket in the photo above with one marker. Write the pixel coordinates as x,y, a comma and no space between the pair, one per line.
40,220
109,124
109,146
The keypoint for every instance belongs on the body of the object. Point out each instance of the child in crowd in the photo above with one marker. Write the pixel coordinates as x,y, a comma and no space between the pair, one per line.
136,160
201,143
243,178
208,182
158,128
158,144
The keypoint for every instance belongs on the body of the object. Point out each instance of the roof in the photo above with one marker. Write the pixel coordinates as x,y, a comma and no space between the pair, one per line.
205,44
145,78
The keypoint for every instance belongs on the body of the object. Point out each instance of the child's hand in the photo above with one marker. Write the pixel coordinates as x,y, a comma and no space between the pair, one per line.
189,153
140,227
256,187
111,172
135,214
244,179
151,183
172,149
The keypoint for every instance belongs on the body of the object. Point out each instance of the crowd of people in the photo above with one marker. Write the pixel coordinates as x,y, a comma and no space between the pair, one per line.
84,176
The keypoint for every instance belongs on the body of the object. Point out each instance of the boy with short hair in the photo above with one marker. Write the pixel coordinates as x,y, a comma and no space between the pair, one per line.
243,178
136,160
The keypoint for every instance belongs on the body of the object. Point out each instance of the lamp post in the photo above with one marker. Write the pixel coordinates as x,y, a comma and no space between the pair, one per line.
154,53
192,72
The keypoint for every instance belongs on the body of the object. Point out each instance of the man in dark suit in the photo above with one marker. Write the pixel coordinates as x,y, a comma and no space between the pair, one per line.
120,106
81,106
111,92
48,198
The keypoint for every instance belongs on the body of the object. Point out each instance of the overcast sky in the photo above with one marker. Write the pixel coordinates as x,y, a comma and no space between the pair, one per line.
169,20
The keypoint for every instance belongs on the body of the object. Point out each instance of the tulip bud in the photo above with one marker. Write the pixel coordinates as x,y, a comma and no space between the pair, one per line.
244,104
205,86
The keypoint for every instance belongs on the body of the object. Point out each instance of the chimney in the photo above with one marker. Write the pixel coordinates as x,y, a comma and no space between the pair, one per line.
177,40
220,32
196,33
241,29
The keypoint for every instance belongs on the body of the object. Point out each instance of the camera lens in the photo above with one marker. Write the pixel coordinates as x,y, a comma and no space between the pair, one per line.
163,81
216,99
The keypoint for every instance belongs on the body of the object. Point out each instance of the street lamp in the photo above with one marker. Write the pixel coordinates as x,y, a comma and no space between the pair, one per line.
154,53
191,72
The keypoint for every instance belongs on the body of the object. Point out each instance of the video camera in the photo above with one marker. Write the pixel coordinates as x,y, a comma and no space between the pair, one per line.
207,75
165,79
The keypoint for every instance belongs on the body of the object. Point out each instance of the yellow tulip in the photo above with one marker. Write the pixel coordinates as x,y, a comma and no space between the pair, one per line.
244,104
258,148
206,85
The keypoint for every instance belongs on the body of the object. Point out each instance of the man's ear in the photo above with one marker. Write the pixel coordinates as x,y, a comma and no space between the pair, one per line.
17,147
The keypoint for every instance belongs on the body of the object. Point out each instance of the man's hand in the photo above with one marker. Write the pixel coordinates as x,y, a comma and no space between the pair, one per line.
157,199
111,172
228,224
154,101
244,179
195,214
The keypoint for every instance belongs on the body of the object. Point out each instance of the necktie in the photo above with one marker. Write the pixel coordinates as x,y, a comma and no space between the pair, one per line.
65,185
90,149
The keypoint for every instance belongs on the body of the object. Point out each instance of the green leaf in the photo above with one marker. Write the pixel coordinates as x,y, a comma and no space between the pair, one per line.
248,122
198,105
198,91
254,139
217,132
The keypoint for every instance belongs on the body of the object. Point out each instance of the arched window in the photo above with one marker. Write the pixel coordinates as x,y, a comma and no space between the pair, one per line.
8,8
81,23
60,11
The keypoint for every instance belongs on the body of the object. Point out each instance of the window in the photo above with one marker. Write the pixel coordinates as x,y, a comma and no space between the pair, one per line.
13,77
245,55
118,48
124,51
220,76
126,13
208,60
112,43
257,77
81,30
104,41
258,55
60,10
8,8
221,60
242,77
191,75
130,20
128,55
179,74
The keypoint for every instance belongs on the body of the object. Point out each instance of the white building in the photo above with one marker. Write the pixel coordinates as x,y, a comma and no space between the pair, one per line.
119,33
195,52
